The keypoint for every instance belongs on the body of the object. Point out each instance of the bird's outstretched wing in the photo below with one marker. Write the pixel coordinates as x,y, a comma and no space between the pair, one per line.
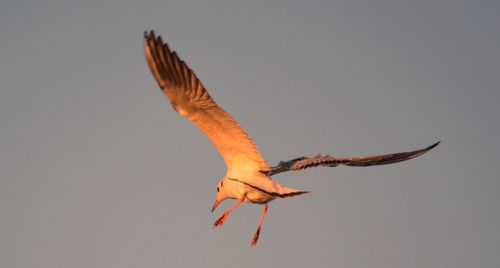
191,99
331,161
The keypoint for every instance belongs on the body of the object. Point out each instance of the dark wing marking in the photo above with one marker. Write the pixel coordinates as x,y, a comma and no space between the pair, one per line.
331,161
275,194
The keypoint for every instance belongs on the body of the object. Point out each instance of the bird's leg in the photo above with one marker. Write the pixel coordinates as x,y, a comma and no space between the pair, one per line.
257,233
223,217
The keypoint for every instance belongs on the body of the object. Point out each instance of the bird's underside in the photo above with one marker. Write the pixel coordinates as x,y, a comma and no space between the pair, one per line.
248,174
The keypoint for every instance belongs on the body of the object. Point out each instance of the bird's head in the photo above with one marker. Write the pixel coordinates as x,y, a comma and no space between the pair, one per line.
221,194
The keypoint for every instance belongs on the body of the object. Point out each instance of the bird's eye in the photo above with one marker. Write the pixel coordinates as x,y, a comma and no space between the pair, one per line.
217,189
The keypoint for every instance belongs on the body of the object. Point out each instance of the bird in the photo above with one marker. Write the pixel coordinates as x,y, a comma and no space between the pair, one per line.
248,175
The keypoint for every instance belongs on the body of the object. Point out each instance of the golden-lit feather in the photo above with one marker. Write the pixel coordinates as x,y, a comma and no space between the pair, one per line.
248,175
188,97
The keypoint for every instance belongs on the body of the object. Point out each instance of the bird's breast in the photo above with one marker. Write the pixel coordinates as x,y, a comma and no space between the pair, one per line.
258,197
237,190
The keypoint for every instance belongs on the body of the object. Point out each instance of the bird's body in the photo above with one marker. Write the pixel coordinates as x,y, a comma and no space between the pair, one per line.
262,192
248,176
234,189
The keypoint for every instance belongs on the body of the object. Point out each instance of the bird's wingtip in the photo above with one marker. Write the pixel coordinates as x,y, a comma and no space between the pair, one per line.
434,145
149,33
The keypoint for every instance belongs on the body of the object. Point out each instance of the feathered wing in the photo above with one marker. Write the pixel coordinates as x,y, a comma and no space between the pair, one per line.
331,161
189,98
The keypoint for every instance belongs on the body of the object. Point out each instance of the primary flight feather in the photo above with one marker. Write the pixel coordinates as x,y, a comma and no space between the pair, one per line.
248,175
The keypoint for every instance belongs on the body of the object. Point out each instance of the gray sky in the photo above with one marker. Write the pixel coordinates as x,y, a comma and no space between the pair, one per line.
97,170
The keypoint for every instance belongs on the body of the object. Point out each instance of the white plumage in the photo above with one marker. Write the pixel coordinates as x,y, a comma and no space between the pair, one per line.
248,175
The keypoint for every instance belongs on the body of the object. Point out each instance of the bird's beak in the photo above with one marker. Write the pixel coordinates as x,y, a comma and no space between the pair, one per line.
217,202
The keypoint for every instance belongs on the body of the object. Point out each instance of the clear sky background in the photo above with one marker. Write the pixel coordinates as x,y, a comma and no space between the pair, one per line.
97,170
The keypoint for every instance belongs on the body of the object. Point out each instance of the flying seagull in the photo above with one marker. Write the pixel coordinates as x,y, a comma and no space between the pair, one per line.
248,176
